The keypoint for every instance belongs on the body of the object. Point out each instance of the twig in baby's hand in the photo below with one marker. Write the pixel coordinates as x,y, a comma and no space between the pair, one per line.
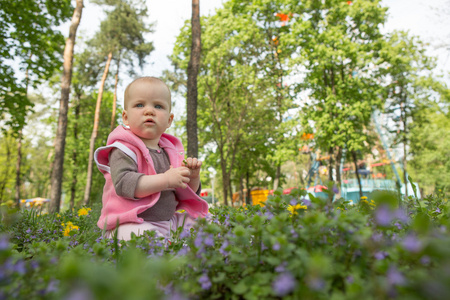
185,161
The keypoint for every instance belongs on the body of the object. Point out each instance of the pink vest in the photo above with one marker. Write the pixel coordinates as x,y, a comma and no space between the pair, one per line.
119,210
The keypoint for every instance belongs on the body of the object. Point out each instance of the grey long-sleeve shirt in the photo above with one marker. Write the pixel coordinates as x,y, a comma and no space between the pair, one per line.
124,174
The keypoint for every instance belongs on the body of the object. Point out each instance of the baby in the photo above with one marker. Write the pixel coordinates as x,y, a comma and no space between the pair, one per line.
147,178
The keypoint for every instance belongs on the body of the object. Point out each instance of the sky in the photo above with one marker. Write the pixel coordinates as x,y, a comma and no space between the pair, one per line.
428,19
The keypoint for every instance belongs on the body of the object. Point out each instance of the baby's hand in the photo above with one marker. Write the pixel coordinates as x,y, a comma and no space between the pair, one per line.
194,166
177,177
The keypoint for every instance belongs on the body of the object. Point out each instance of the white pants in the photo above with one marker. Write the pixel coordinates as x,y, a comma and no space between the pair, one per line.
162,228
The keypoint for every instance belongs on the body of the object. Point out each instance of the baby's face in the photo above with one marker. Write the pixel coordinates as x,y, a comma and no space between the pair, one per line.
147,111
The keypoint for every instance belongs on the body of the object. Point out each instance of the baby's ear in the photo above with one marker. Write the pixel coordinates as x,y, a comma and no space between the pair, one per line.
170,120
125,117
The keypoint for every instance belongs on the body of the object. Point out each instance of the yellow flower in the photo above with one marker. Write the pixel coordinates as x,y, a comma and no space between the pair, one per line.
69,228
363,198
83,211
293,209
365,201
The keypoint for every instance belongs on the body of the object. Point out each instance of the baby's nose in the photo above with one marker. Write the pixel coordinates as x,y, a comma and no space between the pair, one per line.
149,110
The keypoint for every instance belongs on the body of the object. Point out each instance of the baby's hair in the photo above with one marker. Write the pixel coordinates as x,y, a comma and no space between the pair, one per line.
149,79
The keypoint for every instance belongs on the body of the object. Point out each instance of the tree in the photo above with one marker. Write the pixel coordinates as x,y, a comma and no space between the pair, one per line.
338,42
6,159
58,163
409,87
429,148
86,73
192,72
122,31
28,40
232,95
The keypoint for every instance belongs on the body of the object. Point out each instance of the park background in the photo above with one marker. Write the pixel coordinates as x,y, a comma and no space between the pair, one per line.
279,81
275,159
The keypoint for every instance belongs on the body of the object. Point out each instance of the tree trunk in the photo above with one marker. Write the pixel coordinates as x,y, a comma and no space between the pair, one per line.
18,163
355,160
224,185
73,186
330,164
241,190
60,140
7,169
74,156
276,181
116,83
87,191
338,167
247,182
19,147
403,120
230,191
193,67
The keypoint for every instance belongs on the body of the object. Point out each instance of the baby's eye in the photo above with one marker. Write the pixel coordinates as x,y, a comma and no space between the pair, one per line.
140,105
158,106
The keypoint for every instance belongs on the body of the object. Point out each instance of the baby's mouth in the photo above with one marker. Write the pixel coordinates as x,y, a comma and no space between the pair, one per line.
149,121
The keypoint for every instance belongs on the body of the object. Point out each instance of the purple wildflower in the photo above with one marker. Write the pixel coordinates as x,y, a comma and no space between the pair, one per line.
316,284
401,215
294,233
209,240
28,230
175,296
276,247
281,268
52,286
399,226
395,277
34,264
4,242
306,202
383,216
411,243
205,282
350,279
269,215
227,220
198,241
19,267
183,251
80,294
263,247
437,210
283,284
335,189
184,234
377,237
222,249
380,255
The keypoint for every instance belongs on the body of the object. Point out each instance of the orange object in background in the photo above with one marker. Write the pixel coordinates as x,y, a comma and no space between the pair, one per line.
307,136
259,197
275,40
283,17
